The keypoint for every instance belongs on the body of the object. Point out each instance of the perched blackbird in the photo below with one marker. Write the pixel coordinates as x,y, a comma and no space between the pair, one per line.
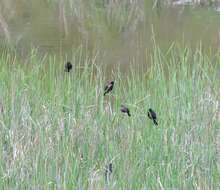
109,87
152,115
108,171
68,66
1,108
125,110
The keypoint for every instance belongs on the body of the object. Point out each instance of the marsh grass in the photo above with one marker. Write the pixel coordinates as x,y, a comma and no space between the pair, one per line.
59,132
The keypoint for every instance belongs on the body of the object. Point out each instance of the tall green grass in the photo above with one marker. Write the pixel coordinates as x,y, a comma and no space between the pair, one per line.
59,132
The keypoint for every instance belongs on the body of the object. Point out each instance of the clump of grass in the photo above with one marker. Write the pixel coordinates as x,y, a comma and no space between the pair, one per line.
59,131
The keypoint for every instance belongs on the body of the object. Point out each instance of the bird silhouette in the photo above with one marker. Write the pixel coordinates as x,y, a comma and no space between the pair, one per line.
68,66
153,116
108,171
109,87
124,109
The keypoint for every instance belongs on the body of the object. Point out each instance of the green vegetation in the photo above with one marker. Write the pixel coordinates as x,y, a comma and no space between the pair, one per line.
59,132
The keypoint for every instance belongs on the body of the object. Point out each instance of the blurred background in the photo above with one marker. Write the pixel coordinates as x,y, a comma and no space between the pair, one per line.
120,31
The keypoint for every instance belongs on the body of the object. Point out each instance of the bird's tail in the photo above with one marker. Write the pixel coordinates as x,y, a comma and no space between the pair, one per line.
67,70
105,93
129,114
155,122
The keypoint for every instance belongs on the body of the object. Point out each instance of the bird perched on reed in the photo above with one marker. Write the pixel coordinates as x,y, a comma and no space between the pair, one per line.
68,66
109,87
153,116
124,109
108,171
1,108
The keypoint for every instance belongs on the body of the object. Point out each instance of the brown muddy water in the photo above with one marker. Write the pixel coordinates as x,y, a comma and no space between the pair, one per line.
120,32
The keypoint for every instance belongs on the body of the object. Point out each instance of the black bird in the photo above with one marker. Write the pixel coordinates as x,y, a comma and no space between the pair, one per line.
152,115
68,66
108,88
125,110
108,171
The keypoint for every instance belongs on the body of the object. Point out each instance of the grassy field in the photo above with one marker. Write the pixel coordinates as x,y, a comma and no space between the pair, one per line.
57,130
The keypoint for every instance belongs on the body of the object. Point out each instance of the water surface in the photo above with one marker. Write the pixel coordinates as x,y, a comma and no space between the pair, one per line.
119,34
